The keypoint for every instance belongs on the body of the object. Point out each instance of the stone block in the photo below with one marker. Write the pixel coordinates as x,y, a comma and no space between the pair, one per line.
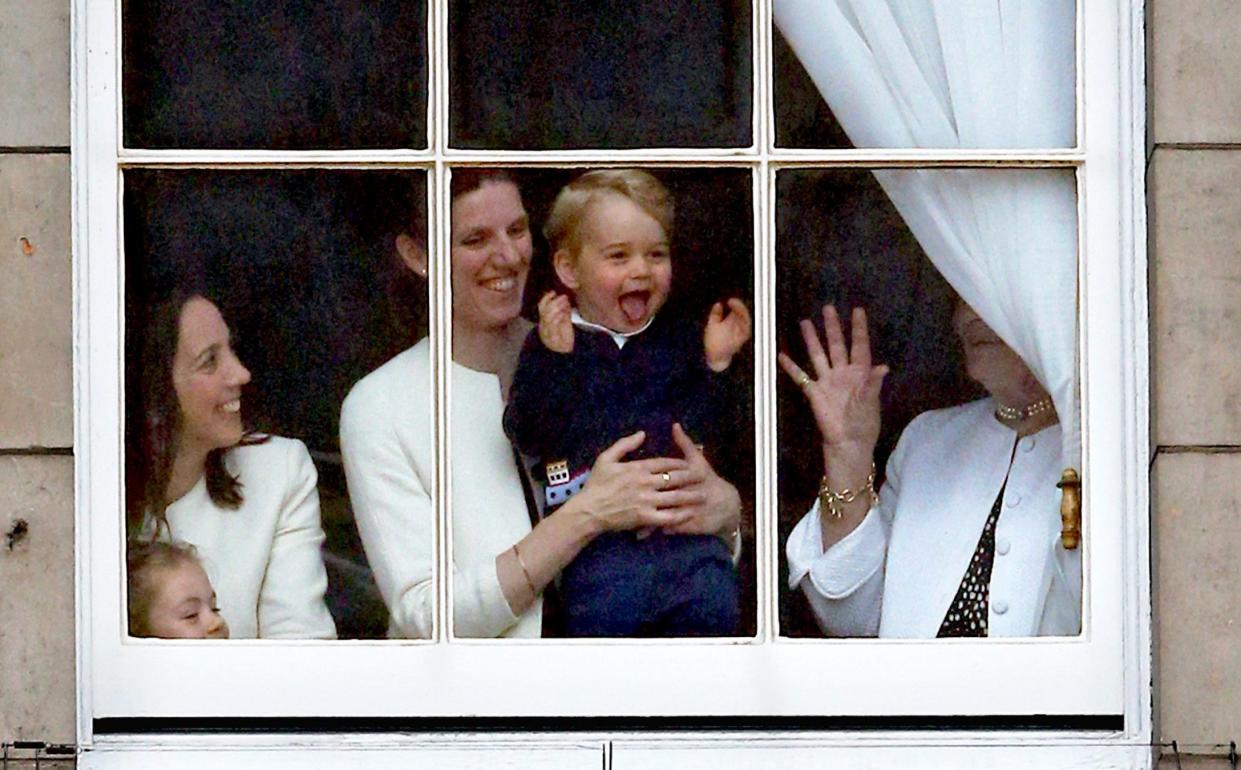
36,302
1185,761
34,73
36,599
1195,70
1198,604
1196,296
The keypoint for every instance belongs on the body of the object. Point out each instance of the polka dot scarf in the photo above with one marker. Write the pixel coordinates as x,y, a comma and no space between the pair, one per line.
967,615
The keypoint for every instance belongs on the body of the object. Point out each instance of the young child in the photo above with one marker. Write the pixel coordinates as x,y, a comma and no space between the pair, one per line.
170,596
611,364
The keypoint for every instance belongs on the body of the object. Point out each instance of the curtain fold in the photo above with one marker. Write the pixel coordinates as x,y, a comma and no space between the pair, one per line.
969,74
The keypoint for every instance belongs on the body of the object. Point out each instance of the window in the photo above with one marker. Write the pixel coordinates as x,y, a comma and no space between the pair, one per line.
273,153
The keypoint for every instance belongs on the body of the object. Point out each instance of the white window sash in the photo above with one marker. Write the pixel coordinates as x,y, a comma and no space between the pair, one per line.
1105,671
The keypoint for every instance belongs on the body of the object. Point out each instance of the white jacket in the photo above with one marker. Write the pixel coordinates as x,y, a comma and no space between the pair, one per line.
263,558
896,574
387,445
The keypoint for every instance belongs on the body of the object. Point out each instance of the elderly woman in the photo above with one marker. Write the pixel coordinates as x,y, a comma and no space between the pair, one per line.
504,554
246,502
963,539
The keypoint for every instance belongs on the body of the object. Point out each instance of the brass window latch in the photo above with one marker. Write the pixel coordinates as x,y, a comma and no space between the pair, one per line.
1070,485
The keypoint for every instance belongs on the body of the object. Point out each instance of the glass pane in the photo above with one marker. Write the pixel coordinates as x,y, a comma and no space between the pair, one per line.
275,74
300,293
635,358
968,437
924,75
529,74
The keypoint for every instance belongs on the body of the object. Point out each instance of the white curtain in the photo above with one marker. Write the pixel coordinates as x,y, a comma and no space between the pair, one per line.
979,74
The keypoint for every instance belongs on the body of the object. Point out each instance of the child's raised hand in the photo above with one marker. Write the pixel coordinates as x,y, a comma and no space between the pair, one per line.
727,330
555,322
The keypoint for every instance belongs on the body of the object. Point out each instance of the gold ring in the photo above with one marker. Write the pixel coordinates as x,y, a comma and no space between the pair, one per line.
667,479
802,380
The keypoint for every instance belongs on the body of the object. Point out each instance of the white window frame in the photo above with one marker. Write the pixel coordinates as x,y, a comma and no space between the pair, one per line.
1107,671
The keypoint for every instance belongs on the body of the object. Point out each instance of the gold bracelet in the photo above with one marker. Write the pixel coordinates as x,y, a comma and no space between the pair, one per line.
833,501
525,572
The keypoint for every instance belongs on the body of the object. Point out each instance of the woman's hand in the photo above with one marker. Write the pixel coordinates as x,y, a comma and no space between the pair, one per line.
619,495
844,396
623,495
727,330
844,393
719,512
555,322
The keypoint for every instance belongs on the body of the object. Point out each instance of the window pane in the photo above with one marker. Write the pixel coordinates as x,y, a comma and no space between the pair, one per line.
275,74
537,75
962,537
629,270
302,269
935,75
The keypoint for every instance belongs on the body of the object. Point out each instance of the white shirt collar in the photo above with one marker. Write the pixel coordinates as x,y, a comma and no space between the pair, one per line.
620,338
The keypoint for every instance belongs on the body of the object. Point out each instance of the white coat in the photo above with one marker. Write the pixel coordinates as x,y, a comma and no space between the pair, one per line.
897,573
263,558
387,443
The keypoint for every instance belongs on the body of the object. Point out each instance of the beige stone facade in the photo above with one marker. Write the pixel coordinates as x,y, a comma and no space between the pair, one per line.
1195,257
36,376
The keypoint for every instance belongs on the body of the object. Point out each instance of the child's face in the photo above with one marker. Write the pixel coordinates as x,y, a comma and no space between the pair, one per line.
184,606
622,271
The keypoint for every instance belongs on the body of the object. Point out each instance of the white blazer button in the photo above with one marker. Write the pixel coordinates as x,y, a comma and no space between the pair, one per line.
1000,606
1002,545
1027,444
1013,501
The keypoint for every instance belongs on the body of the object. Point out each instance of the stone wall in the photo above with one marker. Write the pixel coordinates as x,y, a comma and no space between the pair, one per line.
36,376
1194,200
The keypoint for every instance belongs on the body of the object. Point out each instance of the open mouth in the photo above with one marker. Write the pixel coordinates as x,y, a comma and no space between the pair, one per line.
634,305
231,407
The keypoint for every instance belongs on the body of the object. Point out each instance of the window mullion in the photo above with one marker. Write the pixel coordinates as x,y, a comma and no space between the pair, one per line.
765,531
441,304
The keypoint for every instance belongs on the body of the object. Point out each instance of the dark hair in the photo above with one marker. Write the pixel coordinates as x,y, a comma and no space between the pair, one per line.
149,456
407,292
467,180
142,561
405,212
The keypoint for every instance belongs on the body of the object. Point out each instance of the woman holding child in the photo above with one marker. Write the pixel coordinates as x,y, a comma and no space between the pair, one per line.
504,553
246,503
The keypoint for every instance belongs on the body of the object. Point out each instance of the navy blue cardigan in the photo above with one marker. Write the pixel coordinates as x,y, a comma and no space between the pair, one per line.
572,406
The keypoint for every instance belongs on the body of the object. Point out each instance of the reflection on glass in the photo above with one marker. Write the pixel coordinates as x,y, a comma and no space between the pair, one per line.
924,74
943,397
527,74
275,74
237,464
579,527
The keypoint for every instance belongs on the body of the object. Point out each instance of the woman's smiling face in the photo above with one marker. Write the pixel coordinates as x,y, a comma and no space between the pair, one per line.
207,377
491,250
